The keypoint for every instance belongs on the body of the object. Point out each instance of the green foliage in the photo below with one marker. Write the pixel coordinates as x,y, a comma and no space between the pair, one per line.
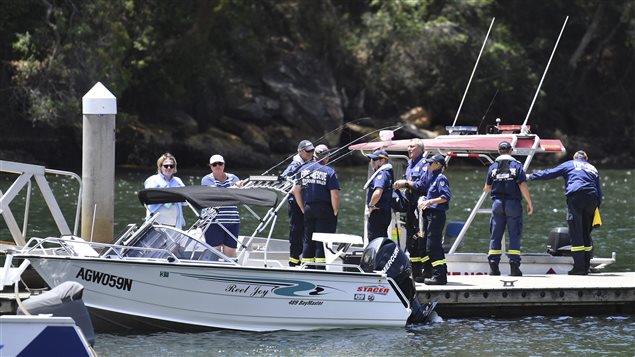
205,56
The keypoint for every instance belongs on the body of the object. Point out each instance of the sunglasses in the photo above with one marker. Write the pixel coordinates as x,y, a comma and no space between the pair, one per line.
217,164
168,166
375,158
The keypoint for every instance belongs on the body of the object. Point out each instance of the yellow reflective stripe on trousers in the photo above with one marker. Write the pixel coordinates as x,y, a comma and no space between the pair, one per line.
308,260
415,259
425,259
588,249
293,260
438,262
512,251
577,248
494,252
320,260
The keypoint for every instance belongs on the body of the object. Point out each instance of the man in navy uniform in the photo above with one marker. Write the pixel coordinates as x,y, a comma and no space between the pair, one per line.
584,194
317,193
379,195
415,184
507,184
296,217
433,206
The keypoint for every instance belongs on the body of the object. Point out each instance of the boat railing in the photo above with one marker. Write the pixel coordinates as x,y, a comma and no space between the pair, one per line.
27,172
77,247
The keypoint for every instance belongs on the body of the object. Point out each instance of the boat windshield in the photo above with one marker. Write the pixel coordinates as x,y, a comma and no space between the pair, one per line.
165,240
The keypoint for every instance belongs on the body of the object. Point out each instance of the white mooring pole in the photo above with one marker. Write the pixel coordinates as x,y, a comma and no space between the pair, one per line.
99,108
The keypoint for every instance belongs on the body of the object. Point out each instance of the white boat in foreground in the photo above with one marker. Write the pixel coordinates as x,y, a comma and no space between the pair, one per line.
161,278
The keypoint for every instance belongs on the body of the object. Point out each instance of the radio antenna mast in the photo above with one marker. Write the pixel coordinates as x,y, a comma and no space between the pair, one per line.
543,75
473,70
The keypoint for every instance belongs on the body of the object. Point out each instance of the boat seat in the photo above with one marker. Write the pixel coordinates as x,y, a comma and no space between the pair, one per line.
452,231
329,239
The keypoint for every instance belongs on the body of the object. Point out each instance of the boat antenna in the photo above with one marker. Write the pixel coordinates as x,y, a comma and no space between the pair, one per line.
544,74
473,70
315,142
487,111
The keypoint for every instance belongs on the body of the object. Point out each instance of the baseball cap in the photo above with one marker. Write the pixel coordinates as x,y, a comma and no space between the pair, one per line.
379,154
580,154
437,158
504,145
321,151
216,158
306,146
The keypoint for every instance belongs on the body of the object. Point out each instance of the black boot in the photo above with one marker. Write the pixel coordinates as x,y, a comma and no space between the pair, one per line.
427,269
579,265
493,269
416,272
587,262
439,276
515,269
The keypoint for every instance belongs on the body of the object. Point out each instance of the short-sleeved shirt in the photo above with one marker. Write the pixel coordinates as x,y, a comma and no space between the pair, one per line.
439,186
504,175
416,171
317,181
292,170
384,180
226,214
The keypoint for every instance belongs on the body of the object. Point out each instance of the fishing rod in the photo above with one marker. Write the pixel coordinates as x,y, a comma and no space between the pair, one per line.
340,157
545,73
487,111
473,71
315,142
392,128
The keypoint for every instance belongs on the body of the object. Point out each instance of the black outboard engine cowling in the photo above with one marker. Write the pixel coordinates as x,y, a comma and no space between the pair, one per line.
383,254
559,242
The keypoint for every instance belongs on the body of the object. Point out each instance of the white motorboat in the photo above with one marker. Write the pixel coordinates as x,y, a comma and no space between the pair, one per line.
160,277
463,142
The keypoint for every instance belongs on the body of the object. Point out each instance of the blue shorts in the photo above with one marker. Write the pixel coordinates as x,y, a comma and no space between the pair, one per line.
216,236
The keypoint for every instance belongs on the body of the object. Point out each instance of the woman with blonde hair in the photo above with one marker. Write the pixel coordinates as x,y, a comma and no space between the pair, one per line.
169,213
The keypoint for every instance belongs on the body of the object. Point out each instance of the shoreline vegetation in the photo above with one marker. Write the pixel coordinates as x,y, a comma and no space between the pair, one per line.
249,80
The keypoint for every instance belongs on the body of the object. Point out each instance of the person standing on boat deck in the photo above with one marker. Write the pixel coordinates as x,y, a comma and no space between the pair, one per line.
415,184
296,217
507,184
379,195
433,206
584,194
317,193
169,213
227,216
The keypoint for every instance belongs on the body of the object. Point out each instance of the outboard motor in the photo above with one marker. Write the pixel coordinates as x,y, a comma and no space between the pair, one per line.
383,254
559,242
63,300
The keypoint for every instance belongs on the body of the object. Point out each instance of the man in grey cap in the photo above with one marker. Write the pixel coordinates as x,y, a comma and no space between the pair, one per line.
296,217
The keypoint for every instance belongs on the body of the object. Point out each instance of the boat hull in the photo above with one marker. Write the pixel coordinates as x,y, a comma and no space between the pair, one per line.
226,296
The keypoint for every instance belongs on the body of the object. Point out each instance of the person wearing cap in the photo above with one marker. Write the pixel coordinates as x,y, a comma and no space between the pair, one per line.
584,195
170,214
227,216
433,207
317,193
296,217
379,195
415,186
507,184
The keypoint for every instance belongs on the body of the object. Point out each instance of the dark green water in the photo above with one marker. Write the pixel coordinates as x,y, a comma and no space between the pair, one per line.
531,336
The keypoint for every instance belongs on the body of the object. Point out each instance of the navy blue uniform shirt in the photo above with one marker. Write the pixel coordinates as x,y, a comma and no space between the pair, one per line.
504,175
579,176
317,181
